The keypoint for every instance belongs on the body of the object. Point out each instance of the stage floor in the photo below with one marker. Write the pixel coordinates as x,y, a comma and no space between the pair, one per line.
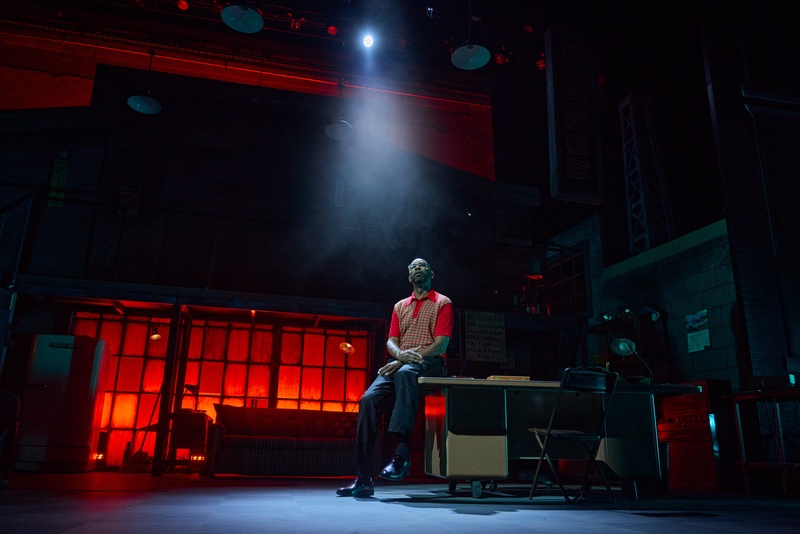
188,503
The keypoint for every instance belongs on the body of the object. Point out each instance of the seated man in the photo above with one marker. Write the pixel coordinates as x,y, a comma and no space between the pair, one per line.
420,331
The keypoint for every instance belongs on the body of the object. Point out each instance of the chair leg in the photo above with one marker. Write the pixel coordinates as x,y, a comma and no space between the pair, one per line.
605,480
587,481
538,469
558,478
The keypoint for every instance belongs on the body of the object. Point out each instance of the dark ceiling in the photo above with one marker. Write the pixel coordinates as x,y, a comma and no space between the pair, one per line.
651,48
419,32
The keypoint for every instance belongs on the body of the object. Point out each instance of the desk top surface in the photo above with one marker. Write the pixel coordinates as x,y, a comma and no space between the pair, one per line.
429,384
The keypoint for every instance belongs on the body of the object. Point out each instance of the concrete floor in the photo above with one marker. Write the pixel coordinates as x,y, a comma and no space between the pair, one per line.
188,503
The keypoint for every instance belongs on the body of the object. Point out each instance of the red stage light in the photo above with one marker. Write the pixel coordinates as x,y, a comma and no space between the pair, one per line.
183,5
332,30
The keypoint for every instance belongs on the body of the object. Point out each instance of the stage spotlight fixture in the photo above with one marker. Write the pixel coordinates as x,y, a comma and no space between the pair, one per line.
243,17
146,104
368,41
183,5
155,336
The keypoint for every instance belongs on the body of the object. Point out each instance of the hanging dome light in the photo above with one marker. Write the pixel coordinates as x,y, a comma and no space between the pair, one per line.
340,130
146,104
243,18
470,56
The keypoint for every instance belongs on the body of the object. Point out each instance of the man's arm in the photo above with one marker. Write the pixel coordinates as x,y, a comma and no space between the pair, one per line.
401,357
438,347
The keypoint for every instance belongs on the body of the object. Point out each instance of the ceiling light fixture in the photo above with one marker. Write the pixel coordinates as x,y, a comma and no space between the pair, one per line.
155,336
146,104
243,17
470,56
340,129
347,346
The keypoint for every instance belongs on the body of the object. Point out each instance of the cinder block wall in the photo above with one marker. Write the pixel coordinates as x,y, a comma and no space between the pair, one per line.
682,277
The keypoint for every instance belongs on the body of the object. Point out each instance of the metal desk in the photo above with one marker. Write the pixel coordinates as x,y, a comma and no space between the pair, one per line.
475,427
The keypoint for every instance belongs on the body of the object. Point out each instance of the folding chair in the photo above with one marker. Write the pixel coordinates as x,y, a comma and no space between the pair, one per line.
578,416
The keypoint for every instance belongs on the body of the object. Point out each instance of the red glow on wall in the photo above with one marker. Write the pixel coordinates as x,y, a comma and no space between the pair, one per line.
119,441
258,381
289,382
129,376
111,332
291,348
211,378
214,343
124,410
355,384
261,347
334,384
334,357
195,343
238,345
235,380
314,350
192,373
147,410
106,410
153,376
135,338
312,383
332,407
206,404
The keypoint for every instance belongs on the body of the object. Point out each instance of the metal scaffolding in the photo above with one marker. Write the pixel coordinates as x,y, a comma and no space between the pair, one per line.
649,213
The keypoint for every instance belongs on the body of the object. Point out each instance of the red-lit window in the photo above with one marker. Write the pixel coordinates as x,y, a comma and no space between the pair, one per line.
238,364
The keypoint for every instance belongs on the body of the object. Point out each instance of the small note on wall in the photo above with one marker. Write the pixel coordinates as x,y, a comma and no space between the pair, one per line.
485,334
697,332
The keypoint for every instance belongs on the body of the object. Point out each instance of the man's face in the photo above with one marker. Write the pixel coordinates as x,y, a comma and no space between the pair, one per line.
419,272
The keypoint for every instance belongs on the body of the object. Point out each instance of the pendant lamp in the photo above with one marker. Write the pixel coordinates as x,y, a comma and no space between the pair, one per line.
146,104
470,56
340,129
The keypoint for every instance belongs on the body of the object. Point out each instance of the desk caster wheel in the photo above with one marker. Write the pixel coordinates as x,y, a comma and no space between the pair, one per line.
477,488
451,486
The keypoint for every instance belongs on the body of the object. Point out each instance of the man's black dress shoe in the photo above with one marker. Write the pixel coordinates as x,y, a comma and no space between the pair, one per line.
397,469
359,488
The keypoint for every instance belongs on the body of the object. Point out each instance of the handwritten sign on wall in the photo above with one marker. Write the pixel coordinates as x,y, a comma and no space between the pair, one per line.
485,334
